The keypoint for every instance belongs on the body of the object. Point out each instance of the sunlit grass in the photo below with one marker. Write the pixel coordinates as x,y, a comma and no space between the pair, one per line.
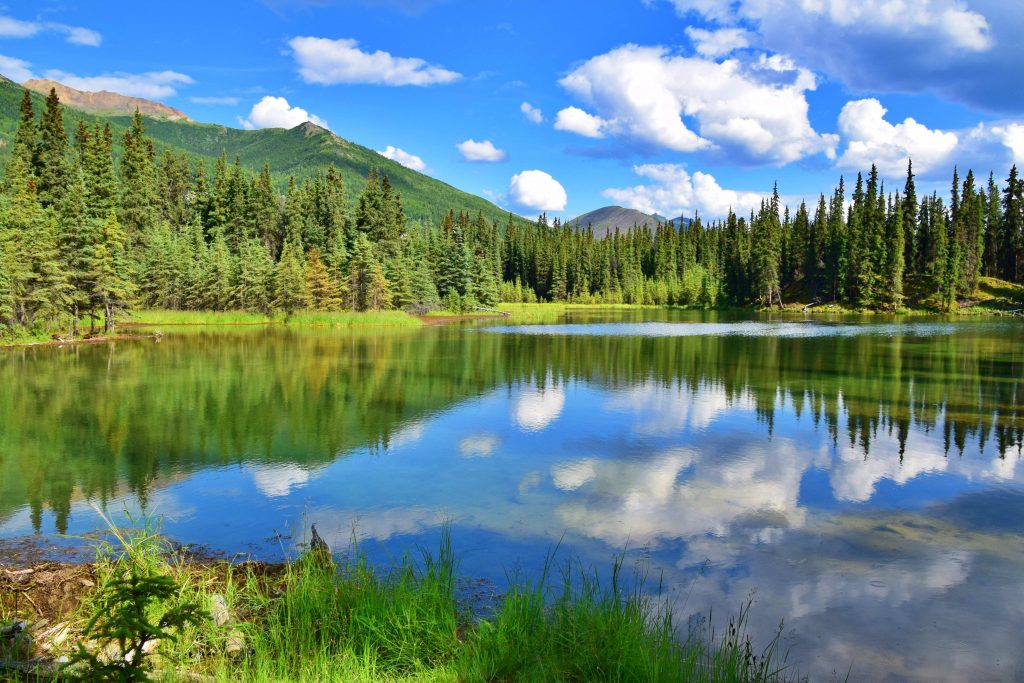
298,318
313,620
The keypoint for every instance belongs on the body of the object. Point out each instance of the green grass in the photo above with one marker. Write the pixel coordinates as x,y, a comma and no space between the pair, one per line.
353,319
317,621
299,318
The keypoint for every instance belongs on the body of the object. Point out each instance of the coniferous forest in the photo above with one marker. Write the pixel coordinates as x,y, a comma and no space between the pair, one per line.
85,237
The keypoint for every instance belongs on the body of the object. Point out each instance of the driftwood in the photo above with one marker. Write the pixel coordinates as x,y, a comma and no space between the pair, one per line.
492,310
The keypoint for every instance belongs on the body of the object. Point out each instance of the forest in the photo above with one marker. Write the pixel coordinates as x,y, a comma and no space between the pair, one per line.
85,238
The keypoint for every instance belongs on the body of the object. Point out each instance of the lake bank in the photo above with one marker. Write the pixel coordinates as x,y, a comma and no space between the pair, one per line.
995,299
319,617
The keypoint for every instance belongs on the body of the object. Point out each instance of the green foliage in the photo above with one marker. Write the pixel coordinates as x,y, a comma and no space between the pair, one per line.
136,605
194,231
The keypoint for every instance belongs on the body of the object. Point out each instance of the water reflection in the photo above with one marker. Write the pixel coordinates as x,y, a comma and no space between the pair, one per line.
862,484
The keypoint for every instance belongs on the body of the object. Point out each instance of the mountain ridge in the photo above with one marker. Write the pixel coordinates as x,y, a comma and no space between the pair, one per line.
606,219
104,102
300,152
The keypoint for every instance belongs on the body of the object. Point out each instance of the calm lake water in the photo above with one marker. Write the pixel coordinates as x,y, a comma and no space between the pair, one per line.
861,480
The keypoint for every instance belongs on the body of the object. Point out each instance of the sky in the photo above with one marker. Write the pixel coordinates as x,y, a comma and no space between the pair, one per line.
668,106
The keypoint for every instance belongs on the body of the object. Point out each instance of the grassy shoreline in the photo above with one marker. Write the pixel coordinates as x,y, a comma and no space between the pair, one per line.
318,618
991,301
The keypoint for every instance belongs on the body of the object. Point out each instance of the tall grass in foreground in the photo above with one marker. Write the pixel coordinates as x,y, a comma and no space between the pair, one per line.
314,620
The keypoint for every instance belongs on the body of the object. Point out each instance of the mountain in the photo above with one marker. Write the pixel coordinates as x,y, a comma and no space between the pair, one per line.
104,102
300,152
606,219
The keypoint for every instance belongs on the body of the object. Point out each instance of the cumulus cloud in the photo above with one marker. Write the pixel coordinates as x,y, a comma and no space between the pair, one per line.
645,92
76,35
1012,137
966,53
404,158
575,120
870,139
718,43
538,191
275,112
484,150
675,192
18,70
329,62
532,113
150,85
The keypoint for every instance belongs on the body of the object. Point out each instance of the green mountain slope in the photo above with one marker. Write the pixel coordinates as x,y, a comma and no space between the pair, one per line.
300,152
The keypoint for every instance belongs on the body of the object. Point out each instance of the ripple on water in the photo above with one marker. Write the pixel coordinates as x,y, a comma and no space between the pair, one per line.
736,329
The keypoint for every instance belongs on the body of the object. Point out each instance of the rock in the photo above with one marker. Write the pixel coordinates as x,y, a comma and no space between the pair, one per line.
219,613
234,646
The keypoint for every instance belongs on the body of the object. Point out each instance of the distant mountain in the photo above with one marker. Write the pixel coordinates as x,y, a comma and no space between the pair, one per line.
300,152
606,219
104,102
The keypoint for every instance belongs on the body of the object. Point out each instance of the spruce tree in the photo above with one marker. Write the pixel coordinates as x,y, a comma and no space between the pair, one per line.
324,294
290,291
139,196
54,168
112,289
255,288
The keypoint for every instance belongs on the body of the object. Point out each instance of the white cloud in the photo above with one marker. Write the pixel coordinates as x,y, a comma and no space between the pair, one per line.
480,151
536,408
870,139
404,158
275,112
329,62
644,93
950,20
150,85
538,191
274,481
718,43
478,445
532,113
675,192
575,120
18,70
214,100
15,28
76,35
1012,136
968,53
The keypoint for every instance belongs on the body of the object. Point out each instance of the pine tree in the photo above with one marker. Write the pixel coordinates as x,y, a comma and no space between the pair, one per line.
111,286
368,288
324,294
255,288
290,279
1011,238
101,190
894,242
139,196
54,168
910,213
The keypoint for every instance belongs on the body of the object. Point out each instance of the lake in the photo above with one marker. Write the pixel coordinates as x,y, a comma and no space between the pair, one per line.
860,479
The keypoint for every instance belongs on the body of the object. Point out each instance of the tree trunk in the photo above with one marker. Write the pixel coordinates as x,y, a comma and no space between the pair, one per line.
109,322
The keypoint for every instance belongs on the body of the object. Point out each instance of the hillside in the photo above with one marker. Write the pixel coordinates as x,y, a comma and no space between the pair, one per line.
104,102
300,152
606,219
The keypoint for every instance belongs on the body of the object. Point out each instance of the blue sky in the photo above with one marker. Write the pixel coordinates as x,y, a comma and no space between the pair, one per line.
673,106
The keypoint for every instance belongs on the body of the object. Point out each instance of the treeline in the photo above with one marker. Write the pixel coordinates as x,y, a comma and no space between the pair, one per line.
85,237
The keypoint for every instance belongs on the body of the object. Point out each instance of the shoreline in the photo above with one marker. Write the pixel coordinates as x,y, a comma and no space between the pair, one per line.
513,312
